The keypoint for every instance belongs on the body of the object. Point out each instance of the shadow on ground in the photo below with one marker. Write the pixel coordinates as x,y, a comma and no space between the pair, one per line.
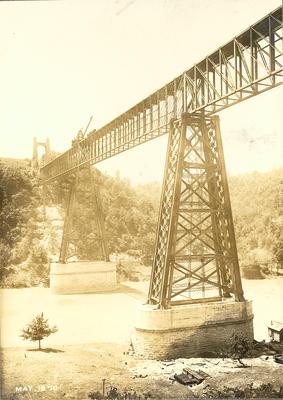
48,350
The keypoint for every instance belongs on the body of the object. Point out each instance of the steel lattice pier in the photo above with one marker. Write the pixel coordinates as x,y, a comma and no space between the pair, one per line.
82,184
195,254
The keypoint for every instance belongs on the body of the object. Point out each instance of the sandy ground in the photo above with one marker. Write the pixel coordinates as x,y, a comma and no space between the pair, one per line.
105,317
93,343
71,372
109,317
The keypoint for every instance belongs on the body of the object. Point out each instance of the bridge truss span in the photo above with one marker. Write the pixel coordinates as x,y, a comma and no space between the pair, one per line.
250,64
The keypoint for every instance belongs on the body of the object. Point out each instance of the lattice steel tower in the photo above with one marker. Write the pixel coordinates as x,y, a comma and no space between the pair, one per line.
195,256
81,184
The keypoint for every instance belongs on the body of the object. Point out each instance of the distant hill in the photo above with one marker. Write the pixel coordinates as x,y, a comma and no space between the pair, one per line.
18,162
19,200
130,220
257,211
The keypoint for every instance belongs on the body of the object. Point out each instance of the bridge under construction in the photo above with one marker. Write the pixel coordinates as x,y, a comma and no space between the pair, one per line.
195,295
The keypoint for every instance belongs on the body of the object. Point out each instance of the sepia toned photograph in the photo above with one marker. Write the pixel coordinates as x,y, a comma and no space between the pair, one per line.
141,199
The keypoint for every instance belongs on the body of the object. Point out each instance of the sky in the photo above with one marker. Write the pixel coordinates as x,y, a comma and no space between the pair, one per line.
64,61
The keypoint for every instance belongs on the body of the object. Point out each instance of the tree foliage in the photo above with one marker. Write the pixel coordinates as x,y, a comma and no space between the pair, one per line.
130,218
18,200
131,213
256,207
239,347
278,252
38,329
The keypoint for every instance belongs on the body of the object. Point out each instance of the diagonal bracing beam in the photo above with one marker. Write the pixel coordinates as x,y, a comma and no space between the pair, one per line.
250,64
195,251
90,190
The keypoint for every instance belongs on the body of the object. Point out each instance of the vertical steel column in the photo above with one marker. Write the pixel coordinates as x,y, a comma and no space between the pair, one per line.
166,231
65,242
239,294
195,253
92,190
98,213
213,195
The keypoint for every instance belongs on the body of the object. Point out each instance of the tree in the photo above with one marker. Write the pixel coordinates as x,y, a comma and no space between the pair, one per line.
278,253
19,198
239,347
38,329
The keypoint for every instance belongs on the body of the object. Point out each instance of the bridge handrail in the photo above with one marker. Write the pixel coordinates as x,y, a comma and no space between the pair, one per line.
249,64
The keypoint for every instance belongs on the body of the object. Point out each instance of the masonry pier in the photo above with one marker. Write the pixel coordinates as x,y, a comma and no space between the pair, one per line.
191,330
195,300
82,277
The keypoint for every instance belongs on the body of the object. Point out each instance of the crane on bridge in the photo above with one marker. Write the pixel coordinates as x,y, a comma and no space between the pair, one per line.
81,134
195,209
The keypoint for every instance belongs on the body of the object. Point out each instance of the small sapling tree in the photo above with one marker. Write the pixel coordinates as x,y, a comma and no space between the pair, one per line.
38,329
239,348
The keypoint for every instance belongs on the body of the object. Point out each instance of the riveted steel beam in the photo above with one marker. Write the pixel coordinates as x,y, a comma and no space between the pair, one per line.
195,251
250,64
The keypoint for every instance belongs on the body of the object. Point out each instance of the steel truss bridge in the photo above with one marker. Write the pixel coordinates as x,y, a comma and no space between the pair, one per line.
195,255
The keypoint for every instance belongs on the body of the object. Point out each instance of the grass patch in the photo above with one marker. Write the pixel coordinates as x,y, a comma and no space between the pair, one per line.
77,372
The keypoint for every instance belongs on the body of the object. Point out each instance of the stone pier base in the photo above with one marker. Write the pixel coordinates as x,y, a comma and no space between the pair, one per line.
191,330
82,277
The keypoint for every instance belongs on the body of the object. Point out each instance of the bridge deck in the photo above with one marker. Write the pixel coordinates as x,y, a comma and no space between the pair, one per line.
248,65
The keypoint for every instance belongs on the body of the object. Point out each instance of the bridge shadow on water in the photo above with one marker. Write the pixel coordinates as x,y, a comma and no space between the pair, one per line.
122,288
136,293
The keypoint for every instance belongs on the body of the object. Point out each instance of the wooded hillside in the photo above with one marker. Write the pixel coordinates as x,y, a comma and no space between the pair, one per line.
258,215
23,260
130,219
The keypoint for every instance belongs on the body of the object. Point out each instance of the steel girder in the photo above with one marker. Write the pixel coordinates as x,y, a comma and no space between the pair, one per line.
195,253
248,65
82,183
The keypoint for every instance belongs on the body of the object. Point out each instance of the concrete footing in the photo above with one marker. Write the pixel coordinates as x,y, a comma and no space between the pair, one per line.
193,330
82,277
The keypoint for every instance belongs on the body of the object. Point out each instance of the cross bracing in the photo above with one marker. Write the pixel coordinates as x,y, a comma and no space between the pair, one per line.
250,64
195,251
